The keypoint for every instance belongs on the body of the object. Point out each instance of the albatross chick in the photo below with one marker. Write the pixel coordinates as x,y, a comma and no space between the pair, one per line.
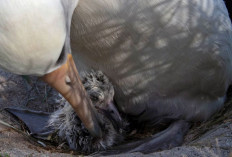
70,129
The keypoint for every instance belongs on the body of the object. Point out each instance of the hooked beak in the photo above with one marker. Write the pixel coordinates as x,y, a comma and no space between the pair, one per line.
111,112
67,82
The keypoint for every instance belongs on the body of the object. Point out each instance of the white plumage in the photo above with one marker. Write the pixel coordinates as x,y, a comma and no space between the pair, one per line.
33,34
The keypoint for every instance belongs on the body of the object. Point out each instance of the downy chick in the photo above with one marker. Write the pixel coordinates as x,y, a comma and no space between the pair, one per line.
70,129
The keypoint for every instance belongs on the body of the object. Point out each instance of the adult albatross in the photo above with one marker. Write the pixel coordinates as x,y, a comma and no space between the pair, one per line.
34,40
170,62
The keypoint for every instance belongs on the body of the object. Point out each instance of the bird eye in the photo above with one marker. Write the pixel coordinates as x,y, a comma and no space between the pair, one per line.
94,98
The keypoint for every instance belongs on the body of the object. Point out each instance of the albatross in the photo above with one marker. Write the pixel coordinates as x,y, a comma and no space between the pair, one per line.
170,61
35,40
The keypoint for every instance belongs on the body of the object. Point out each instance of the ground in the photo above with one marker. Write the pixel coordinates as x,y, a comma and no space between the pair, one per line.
212,138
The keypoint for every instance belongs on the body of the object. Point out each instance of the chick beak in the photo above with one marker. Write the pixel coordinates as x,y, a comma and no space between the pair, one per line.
111,112
67,82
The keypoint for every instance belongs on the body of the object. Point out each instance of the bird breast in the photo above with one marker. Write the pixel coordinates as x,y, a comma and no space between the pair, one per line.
32,35
153,50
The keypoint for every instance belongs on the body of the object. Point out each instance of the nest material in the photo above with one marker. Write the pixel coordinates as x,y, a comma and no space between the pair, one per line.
70,129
